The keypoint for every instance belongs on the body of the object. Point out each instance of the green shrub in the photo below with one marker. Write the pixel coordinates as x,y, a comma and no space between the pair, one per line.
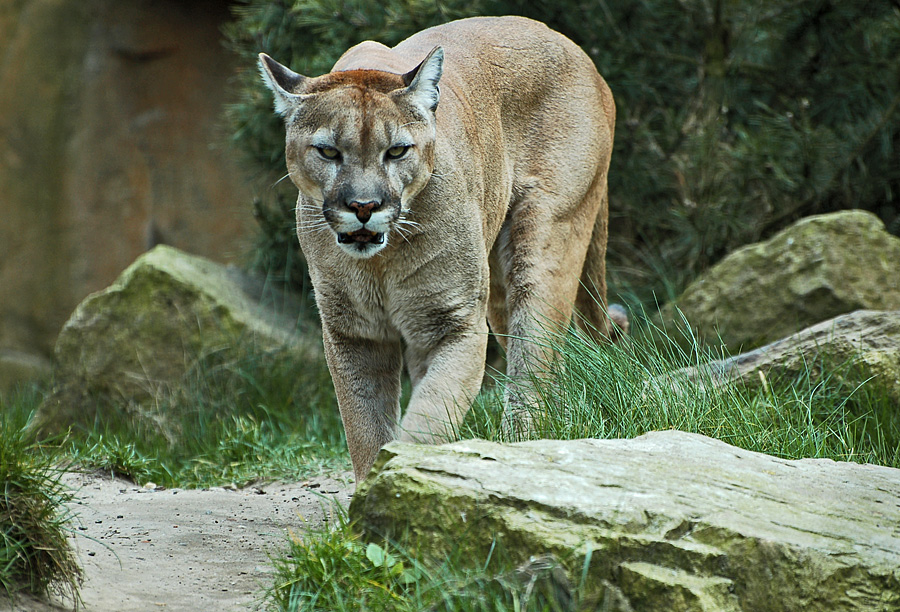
734,118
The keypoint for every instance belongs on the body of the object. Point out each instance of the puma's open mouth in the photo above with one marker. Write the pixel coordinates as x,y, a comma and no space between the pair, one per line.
362,235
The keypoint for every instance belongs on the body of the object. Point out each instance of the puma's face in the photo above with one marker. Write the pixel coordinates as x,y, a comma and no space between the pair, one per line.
360,144
361,156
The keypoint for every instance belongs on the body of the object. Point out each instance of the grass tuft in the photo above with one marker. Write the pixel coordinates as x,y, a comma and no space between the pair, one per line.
35,556
331,569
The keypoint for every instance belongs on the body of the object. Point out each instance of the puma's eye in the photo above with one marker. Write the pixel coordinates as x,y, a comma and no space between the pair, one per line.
329,152
397,152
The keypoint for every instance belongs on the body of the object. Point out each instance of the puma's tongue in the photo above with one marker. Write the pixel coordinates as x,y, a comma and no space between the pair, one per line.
362,235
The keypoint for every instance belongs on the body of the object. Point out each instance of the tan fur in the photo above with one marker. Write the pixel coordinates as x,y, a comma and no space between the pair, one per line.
502,197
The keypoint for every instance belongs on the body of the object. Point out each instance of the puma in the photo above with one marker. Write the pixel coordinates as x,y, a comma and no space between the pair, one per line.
455,180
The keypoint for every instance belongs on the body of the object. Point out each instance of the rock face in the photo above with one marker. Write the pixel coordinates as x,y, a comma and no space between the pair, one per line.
817,269
110,143
131,340
673,521
864,345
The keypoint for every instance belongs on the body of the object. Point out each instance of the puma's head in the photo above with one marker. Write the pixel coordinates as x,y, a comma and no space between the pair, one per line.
360,144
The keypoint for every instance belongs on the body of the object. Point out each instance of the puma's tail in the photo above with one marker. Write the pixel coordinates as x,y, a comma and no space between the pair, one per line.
593,316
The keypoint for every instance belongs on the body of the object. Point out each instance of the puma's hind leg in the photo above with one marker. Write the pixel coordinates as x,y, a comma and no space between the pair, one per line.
539,254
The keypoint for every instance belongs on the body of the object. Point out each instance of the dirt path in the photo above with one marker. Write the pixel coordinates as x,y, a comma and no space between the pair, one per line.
179,550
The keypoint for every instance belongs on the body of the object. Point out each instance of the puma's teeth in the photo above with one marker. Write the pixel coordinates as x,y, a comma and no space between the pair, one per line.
363,236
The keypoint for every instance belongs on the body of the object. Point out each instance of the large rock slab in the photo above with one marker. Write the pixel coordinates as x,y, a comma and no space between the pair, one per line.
673,521
129,342
860,347
819,268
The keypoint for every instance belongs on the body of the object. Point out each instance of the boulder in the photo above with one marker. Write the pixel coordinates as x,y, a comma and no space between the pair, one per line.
670,520
133,340
860,347
819,268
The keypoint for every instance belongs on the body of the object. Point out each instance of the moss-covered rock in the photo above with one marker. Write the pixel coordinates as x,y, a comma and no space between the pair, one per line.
819,268
862,347
128,343
670,521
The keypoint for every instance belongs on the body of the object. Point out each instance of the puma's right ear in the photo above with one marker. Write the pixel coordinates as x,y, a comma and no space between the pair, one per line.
283,82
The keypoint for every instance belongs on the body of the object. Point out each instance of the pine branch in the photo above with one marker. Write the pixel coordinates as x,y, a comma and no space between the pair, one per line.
810,201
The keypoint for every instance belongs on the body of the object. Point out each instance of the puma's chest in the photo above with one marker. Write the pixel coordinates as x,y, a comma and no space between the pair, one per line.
402,304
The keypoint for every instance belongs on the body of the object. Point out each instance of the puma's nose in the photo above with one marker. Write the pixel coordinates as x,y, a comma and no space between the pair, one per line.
363,210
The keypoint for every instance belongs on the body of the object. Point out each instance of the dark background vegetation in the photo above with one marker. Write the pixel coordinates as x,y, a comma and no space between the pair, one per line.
735,118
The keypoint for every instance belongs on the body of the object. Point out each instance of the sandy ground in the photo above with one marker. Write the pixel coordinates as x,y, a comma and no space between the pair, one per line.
177,550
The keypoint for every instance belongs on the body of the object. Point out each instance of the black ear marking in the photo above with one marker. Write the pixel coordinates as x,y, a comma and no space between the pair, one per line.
409,76
282,76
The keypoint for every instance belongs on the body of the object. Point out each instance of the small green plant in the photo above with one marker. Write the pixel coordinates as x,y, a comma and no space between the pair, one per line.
116,458
331,568
35,555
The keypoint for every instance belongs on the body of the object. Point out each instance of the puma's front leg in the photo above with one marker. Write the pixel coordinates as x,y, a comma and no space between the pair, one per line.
366,377
446,378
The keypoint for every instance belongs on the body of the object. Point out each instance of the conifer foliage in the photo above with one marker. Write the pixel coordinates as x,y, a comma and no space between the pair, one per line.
735,118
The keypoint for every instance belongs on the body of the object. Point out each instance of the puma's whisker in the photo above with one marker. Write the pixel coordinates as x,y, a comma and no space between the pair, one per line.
403,234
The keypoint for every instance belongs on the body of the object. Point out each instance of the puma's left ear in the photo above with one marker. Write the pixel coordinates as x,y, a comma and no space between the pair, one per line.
422,81
283,82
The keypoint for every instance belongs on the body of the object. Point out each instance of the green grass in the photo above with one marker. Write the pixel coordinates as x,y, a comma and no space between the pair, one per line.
262,415
623,391
265,416
259,416
35,555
